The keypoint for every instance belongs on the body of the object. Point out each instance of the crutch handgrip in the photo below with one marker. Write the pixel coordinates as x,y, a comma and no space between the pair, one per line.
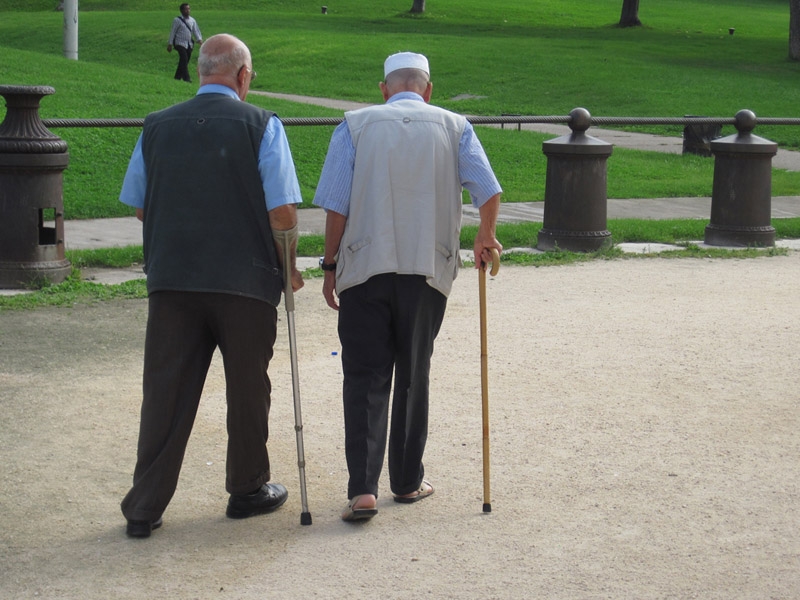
287,240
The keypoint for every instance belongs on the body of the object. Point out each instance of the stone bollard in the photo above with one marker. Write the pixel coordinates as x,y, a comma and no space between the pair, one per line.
741,198
32,161
575,190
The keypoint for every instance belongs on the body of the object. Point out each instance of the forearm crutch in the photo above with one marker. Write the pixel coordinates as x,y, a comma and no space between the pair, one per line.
288,240
487,503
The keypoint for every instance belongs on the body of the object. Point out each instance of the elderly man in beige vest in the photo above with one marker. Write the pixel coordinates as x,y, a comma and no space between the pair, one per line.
391,186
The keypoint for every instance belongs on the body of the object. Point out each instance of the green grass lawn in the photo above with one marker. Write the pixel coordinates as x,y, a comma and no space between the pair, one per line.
506,56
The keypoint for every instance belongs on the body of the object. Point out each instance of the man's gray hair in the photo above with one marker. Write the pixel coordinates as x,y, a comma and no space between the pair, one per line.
223,63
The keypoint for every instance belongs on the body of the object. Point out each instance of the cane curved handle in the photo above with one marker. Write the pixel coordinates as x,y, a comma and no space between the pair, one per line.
495,262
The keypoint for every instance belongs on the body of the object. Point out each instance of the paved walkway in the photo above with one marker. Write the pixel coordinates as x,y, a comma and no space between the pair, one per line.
127,231
785,159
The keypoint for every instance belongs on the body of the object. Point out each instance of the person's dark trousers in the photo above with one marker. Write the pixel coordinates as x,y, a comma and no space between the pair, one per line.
389,323
183,331
184,56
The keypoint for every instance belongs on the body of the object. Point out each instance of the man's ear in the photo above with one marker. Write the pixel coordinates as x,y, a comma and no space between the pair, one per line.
426,95
243,85
384,90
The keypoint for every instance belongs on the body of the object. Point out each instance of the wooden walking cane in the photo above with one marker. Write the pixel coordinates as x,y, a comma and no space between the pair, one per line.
487,503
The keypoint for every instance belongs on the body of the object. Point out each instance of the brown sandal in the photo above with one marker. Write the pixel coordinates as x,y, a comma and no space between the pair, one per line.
350,513
425,490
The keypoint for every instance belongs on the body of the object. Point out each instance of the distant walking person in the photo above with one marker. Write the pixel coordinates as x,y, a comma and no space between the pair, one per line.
184,34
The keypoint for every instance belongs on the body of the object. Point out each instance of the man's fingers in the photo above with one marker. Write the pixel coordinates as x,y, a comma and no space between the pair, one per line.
297,280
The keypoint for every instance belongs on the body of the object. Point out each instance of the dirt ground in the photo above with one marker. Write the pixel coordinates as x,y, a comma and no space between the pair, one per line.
644,444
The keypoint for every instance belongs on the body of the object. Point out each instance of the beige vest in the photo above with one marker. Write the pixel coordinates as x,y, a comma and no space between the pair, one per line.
405,205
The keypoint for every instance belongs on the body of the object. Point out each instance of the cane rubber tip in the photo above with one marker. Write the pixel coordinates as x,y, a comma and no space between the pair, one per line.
305,518
487,507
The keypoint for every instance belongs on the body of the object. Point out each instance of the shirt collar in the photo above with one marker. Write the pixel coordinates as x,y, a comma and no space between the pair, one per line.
405,96
216,88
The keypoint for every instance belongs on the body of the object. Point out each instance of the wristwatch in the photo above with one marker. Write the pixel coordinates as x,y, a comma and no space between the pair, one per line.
326,266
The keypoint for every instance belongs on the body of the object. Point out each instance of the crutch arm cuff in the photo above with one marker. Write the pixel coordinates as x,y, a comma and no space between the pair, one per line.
286,239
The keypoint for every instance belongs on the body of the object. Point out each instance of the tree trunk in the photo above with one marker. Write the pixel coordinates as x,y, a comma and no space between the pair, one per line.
630,14
794,29
419,6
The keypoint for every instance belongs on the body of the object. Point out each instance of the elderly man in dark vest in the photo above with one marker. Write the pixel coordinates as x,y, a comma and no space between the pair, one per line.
219,212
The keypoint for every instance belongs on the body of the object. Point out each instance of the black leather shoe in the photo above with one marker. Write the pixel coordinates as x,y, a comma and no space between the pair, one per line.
269,497
142,529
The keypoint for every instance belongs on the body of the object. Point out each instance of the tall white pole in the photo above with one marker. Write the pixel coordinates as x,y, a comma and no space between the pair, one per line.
71,29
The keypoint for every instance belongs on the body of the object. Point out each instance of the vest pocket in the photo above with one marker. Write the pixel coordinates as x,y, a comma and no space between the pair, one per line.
444,252
260,264
446,266
356,246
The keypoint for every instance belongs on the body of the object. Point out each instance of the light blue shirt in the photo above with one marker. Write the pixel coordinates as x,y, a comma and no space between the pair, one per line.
275,164
336,180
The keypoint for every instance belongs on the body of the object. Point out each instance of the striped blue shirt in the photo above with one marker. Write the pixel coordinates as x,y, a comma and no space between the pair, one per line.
275,164
336,180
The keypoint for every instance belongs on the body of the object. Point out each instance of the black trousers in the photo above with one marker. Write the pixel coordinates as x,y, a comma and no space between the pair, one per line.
183,331
387,324
184,56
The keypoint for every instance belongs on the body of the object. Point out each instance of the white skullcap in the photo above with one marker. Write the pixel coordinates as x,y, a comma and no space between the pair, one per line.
405,60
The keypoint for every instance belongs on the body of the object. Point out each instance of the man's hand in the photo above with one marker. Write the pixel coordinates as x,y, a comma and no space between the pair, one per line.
297,280
483,254
329,289
334,230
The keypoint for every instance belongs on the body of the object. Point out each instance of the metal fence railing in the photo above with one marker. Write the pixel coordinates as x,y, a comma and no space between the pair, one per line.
475,120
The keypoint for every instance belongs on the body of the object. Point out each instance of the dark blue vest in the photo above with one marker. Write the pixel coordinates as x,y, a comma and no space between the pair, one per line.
206,226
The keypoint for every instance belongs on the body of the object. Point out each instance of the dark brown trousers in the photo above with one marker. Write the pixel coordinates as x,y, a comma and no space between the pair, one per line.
183,331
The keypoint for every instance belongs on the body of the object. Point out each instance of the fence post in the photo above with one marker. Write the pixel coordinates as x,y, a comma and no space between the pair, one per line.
575,199
741,198
32,162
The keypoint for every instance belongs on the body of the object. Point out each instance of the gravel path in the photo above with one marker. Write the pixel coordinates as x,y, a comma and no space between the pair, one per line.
644,419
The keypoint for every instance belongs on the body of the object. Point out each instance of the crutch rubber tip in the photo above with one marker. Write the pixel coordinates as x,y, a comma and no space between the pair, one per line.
305,518
487,507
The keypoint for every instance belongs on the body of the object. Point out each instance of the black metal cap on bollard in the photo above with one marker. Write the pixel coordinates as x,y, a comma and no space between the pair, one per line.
741,199
575,204
32,161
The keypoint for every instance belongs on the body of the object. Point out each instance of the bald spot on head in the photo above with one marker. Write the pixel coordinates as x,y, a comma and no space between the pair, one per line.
221,58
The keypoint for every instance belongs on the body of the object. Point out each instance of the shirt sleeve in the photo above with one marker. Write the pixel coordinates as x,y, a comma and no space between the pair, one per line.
173,31
474,169
276,167
336,179
135,183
